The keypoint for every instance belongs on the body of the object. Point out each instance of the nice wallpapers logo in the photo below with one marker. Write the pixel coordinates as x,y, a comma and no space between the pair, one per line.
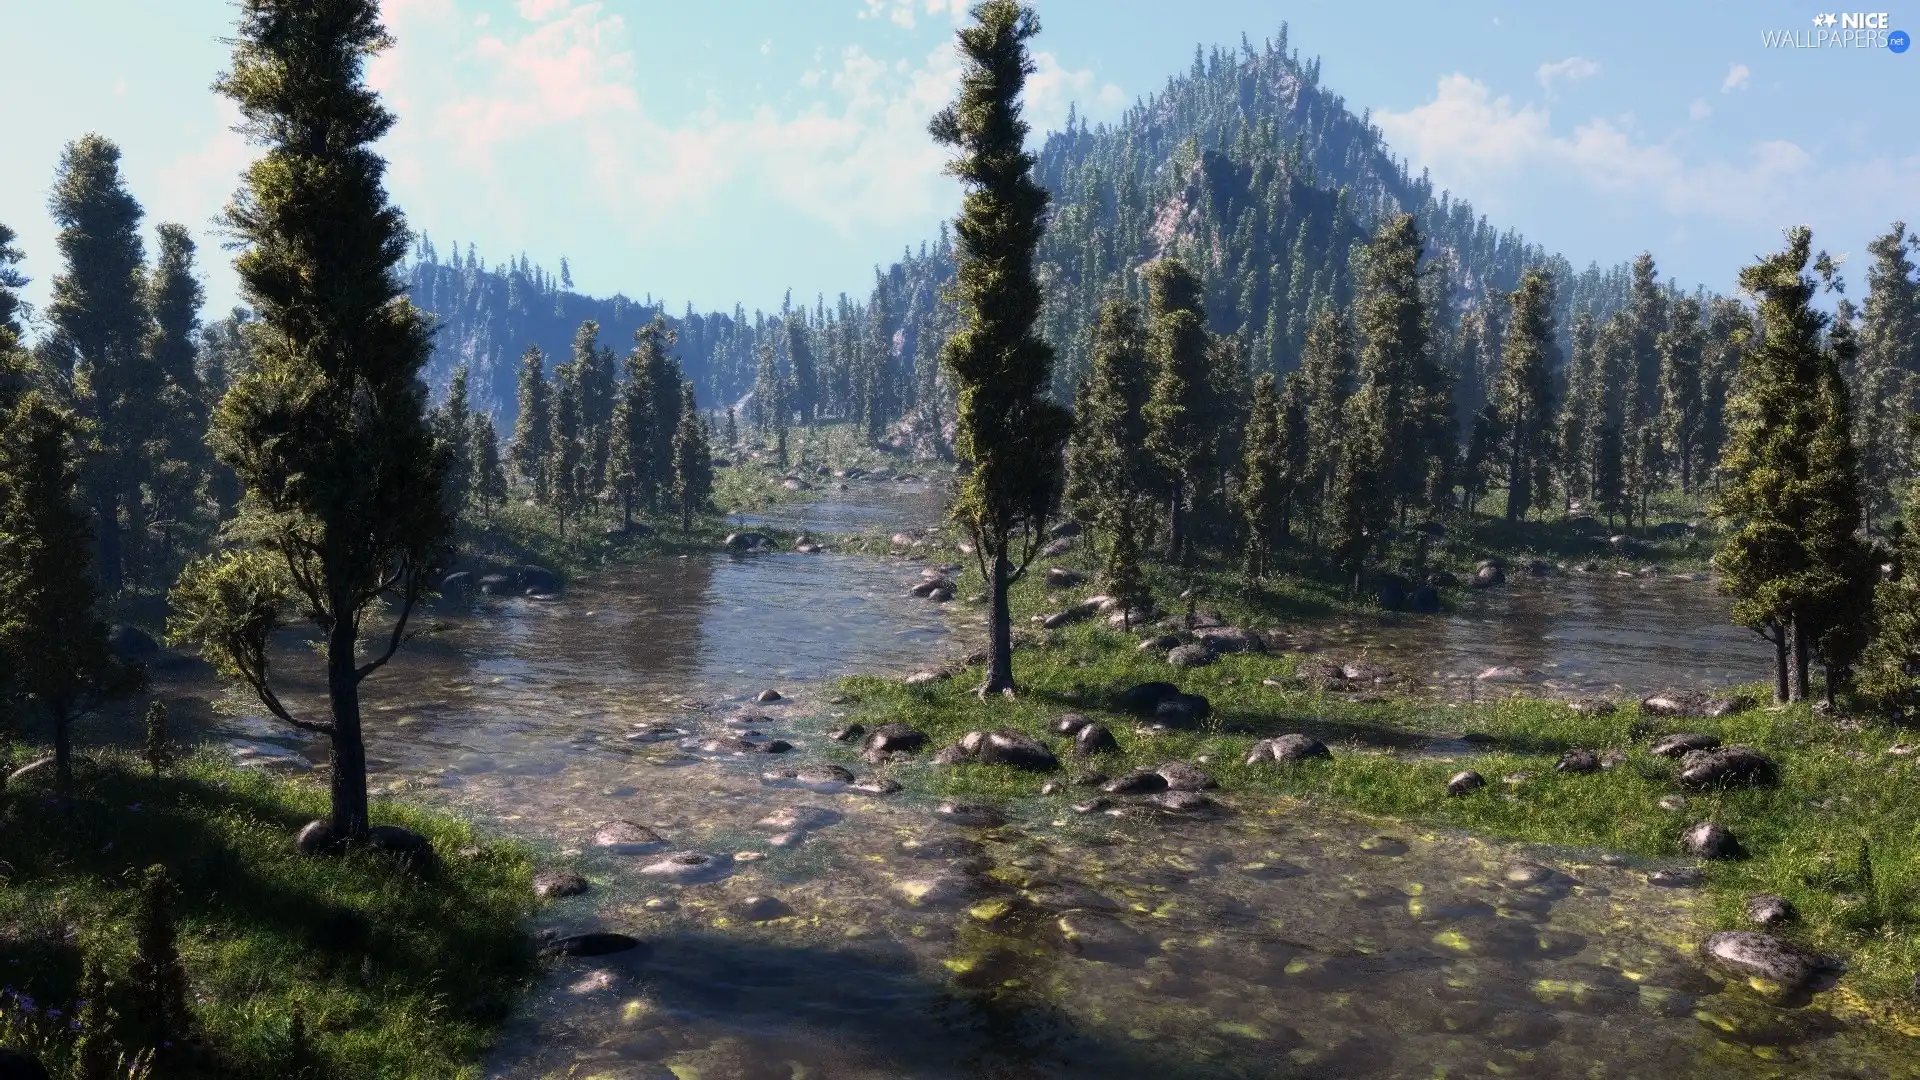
1845,30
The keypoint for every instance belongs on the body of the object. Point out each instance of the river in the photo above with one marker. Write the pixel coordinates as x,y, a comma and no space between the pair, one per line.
1272,941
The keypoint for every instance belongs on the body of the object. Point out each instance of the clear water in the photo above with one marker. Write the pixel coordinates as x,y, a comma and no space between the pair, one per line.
1271,941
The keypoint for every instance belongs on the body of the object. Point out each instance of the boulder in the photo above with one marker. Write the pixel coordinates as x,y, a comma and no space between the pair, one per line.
970,815
413,850
1674,746
1287,748
1137,782
1064,527
458,583
1083,610
1057,548
553,884
1005,746
1182,711
1578,761
768,696
1728,765
1231,639
890,739
1710,840
1464,782
1059,577
1766,909
748,541
1142,698
1488,576
1750,954
688,867
1444,579
20,1065
1190,656
850,733
1181,776
1687,703
627,838
317,837
1180,801
1069,723
499,584
1159,643
597,943
1425,600
1365,671
1540,568
132,643
538,579
1717,707
1094,739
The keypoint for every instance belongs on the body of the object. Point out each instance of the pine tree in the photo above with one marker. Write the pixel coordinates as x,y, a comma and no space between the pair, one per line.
159,742
1328,368
533,427
1525,394
733,428
1888,370
1890,668
1121,570
768,389
805,379
1360,501
1580,413
1392,323
99,328
1792,559
158,981
489,475
1106,454
1010,434
594,375
692,461
1644,319
1180,429
328,431
1681,419
179,502
11,282
1609,473
569,460
1264,477
48,630
453,429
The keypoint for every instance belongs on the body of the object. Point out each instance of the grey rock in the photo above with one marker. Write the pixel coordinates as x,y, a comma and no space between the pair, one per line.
1487,577
1674,746
1190,656
760,908
1142,698
553,884
689,867
1464,782
1726,766
1181,776
1094,739
1727,706
1057,548
971,815
497,584
1766,909
1675,703
1079,612
955,754
893,739
1069,723
1710,840
1682,878
1138,782
749,541
317,838
1365,671
1064,527
1287,748
880,786
1182,711
627,838
850,733
1159,643
412,849
1231,639
768,696
1752,954
539,579
1578,761
1093,806
1059,577
1180,801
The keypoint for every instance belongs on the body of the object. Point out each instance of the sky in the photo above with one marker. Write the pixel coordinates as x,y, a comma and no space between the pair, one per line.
725,151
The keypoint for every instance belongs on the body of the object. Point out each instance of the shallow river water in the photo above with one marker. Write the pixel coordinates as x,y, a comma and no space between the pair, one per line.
1271,941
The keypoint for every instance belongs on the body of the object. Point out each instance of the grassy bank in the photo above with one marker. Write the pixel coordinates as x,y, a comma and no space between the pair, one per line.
1838,835
392,974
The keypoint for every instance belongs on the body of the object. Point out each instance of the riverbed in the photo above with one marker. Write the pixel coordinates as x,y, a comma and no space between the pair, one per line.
834,932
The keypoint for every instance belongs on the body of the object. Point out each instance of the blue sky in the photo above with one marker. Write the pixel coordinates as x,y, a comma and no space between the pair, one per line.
722,151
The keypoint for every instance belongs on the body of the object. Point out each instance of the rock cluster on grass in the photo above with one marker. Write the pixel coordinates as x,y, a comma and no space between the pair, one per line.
1694,704
1002,746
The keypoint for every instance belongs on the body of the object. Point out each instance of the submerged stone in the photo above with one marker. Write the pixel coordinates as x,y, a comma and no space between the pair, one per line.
598,943
760,908
790,818
689,866
1682,878
627,838
1180,801
552,884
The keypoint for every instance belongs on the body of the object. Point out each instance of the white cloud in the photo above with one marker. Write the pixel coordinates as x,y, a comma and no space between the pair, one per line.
1737,77
901,12
1699,110
1569,71
1479,143
1052,89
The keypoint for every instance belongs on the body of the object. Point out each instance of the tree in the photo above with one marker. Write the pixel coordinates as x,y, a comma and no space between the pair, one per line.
1010,434
11,282
1327,367
99,329
453,429
1609,473
1180,428
1792,560
489,477
49,632
806,380
158,982
1525,393
569,460
1682,406
1121,570
692,461
1890,668
1360,500
1392,322
178,499
328,431
1264,480
1888,370
1107,466
1580,412
533,427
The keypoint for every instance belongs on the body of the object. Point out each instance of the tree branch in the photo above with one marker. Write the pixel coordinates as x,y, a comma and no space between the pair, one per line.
398,636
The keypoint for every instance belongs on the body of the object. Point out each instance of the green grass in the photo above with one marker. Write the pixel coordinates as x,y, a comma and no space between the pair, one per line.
395,975
1839,793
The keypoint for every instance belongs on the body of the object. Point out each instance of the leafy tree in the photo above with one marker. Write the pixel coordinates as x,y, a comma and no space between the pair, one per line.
327,433
1180,429
533,428
692,461
1010,434
49,633
1525,395
99,329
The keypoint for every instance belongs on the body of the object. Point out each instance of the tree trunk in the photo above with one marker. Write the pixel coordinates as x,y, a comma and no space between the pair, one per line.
107,542
1798,690
1780,688
62,752
1176,521
999,628
626,511
1518,494
349,748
